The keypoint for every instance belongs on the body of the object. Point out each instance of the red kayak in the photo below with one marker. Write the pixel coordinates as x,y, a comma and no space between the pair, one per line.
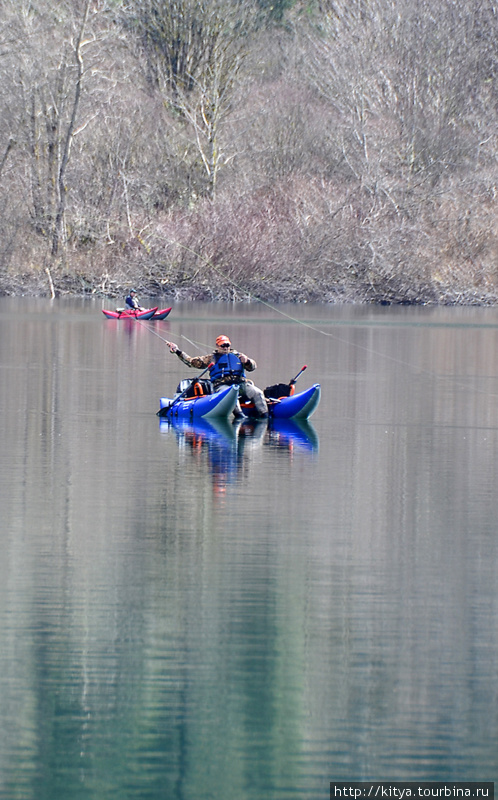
129,313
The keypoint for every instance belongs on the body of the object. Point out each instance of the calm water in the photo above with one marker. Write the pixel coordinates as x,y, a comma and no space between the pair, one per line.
237,613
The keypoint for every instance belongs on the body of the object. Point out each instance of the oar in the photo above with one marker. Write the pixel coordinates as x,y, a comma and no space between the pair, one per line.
163,412
292,382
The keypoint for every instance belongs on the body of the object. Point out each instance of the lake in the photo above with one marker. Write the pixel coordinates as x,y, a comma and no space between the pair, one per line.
247,612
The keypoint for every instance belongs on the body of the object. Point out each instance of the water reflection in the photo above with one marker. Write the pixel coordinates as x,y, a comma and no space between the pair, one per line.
224,446
293,435
220,612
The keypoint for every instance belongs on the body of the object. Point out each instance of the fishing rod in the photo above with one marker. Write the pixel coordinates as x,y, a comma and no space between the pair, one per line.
180,335
164,412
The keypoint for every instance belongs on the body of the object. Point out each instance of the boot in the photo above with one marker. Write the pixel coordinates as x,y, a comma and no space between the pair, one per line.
237,412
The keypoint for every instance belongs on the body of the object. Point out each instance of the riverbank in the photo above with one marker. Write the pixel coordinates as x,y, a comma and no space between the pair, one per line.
308,290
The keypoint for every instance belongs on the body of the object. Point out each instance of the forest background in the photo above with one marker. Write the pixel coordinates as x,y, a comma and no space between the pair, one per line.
323,151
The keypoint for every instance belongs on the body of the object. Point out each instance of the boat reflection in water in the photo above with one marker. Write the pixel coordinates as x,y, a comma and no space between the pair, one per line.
227,446
292,435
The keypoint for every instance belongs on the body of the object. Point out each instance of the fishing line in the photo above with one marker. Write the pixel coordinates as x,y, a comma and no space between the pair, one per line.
283,313
308,325
166,341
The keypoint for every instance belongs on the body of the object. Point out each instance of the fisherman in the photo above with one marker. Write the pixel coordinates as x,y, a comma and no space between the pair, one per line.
133,302
228,368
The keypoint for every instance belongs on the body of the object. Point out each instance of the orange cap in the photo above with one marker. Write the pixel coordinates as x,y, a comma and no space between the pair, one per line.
223,340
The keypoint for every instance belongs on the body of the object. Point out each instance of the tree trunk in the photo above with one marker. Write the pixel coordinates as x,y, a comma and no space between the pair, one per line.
62,190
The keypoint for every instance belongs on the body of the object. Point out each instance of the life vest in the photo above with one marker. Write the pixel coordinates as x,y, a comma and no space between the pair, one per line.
227,368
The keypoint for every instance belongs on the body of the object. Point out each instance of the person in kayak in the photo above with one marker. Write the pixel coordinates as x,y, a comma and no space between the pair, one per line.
229,367
132,301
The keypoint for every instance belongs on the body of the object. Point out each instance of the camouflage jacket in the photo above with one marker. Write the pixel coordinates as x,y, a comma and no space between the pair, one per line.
201,362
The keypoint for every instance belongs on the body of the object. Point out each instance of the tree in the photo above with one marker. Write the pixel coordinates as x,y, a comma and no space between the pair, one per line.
194,53
48,75
68,133
402,78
